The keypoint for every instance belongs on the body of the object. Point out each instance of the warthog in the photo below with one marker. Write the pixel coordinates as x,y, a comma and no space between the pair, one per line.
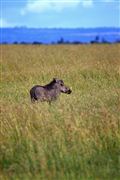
49,92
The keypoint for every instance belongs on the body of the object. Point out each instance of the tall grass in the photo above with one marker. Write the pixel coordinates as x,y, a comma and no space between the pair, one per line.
78,136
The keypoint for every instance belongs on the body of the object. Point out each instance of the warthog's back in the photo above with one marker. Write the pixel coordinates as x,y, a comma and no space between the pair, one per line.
38,93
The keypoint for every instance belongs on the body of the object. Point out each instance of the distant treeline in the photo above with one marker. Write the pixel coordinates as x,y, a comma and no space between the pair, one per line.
97,40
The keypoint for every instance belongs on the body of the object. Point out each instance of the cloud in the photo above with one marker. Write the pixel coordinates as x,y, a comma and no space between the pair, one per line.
38,6
4,23
87,3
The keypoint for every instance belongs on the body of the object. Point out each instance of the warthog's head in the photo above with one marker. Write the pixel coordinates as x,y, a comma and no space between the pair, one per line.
60,85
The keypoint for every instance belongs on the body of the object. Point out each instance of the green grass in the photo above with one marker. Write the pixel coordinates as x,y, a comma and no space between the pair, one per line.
78,136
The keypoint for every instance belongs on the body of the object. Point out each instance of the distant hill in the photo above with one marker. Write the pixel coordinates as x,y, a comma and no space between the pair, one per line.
59,35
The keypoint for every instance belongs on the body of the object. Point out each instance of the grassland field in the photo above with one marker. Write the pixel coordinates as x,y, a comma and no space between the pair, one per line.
75,138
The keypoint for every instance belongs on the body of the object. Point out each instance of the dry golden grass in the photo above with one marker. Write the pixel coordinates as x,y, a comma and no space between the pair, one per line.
78,136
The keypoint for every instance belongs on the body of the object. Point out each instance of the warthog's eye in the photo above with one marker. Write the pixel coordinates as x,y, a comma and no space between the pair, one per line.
61,83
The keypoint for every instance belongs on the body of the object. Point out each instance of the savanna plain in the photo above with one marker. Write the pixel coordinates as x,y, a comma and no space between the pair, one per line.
77,137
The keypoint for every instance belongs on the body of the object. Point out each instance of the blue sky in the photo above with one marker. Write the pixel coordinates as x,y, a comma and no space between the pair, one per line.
60,13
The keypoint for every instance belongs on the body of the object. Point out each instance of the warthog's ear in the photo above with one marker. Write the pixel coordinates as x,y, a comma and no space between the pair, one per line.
55,80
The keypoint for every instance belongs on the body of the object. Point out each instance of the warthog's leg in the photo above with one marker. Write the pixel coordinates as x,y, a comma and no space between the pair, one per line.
33,100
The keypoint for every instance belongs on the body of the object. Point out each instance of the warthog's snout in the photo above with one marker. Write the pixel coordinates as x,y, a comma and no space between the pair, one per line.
69,91
65,90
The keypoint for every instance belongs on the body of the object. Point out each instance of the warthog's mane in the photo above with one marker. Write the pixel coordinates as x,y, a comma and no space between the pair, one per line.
51,85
